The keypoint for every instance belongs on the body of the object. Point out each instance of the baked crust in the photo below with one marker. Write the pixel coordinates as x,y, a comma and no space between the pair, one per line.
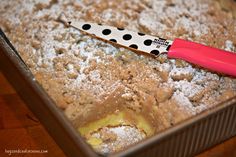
89,79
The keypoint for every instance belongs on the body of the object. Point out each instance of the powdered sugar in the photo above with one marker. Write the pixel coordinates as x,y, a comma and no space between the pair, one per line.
183,102
229,46
124,136
185,70
78,70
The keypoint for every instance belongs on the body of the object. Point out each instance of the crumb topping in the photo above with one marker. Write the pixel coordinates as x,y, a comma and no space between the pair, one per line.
81,73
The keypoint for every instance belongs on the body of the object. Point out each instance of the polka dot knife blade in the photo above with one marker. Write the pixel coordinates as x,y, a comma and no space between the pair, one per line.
129,39
214,59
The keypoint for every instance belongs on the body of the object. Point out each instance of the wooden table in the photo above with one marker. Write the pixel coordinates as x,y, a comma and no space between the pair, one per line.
20,129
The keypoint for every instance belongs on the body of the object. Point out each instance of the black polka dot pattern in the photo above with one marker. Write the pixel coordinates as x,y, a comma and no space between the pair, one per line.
147,42
141,34
113,40
106,32
168,47
134,46
155,52
133,40
127,37
120,29
86,26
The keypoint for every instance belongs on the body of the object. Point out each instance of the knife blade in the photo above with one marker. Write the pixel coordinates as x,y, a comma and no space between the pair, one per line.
213,59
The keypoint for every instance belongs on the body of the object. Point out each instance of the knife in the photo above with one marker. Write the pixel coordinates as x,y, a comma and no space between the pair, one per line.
208,57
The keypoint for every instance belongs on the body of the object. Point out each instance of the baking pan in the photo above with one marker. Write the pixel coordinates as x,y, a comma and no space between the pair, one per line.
38,101
187,138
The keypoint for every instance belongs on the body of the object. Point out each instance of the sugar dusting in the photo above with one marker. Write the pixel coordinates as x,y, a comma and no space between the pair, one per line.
123,137
229,46
78,71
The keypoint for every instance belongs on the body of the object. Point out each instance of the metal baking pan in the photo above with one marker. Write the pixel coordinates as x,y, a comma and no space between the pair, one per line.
187,138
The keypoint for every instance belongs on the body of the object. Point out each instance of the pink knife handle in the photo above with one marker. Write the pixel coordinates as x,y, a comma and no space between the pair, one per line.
208,57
